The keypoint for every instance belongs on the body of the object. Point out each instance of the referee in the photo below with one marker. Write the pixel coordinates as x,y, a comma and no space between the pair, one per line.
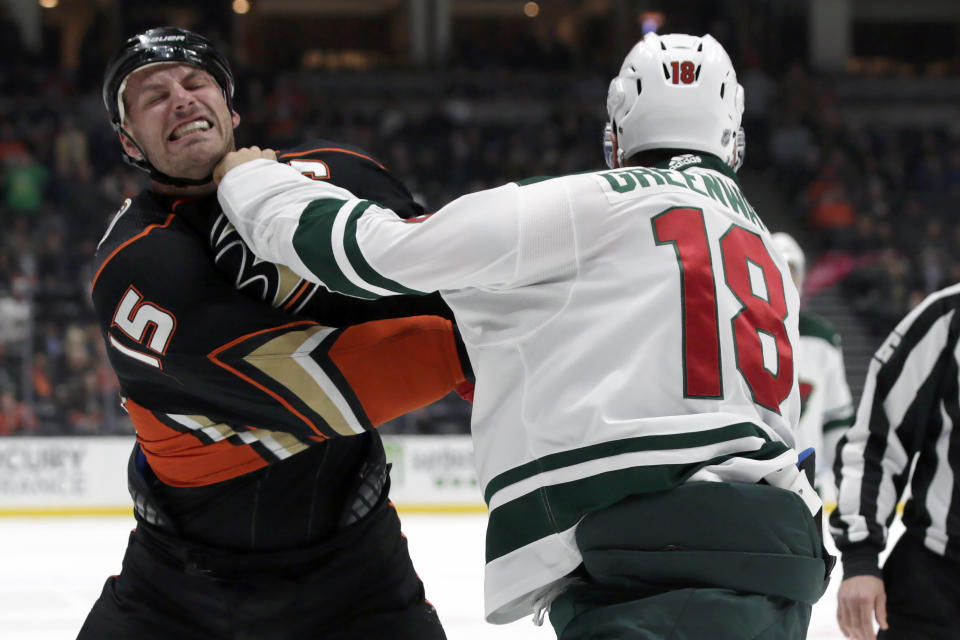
909,413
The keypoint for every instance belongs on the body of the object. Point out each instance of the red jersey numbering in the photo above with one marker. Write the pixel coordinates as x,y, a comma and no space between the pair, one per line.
763,351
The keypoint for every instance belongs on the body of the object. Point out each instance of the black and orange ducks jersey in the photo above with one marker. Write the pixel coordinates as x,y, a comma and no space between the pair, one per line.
221,386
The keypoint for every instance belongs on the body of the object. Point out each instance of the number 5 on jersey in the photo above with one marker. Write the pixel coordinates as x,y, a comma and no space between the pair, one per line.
763,351
145,323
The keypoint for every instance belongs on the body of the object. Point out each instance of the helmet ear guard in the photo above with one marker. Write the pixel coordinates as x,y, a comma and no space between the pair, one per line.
612,154
741,149
609,147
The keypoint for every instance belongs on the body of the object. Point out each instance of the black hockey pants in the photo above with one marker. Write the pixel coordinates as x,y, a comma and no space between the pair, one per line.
360,585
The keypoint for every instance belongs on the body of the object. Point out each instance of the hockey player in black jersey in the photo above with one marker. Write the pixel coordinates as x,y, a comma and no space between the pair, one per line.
260,486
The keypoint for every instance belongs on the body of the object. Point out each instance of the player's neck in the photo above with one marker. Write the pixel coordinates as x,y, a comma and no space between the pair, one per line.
194,191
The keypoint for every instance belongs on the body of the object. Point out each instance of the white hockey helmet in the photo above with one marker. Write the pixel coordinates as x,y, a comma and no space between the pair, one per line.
793,254
676,91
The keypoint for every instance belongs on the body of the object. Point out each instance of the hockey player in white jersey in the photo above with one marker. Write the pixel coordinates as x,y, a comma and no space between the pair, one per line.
632,332
826,404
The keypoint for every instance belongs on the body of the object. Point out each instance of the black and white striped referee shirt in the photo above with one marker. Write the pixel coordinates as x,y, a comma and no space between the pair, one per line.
910,410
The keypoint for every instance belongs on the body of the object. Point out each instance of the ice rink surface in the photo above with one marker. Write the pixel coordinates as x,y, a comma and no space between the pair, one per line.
52,570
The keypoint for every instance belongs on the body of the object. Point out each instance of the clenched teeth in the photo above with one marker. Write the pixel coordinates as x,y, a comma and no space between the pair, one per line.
190,127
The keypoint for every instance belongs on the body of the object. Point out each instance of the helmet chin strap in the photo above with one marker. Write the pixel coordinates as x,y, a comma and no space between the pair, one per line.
155,174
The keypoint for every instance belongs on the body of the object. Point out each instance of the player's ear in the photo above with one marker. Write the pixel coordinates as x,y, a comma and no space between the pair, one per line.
235,118
129,148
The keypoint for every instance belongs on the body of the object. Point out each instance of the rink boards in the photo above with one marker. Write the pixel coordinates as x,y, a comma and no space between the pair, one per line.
87,475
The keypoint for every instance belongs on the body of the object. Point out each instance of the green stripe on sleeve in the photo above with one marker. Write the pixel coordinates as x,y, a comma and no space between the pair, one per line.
313,242
360,264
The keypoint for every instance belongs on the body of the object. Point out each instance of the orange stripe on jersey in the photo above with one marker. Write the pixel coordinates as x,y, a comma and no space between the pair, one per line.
213,358
127,243
419,218
182,460
296,296
297,154
179,202
398,365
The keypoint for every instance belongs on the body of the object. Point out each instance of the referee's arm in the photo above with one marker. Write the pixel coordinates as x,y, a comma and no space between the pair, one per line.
903,386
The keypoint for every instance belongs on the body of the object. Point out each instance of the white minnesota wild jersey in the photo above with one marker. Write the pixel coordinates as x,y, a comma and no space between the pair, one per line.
826,405
630,330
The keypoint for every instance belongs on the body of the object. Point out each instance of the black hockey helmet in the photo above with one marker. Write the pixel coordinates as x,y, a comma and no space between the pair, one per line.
156,46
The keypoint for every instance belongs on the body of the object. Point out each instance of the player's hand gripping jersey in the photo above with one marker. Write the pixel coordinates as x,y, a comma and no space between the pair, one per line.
631,330
348,167
219,384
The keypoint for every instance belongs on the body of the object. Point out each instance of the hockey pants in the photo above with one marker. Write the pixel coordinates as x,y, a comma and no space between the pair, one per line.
359,585
717,561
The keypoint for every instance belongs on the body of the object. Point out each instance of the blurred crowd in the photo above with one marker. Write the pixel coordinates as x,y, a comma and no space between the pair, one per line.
56,192
873,201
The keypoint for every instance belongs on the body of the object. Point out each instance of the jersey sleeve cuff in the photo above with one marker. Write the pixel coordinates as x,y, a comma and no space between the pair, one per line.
861,561
244,186
264,200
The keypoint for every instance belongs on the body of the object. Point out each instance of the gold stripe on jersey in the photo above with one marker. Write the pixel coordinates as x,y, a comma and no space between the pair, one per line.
279,443
213,431
287,286
303,377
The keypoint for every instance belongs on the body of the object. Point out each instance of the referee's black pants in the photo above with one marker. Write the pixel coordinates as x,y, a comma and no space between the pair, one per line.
923,593
359,585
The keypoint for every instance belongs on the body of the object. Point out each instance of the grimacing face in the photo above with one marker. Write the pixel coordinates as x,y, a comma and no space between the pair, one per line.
178,115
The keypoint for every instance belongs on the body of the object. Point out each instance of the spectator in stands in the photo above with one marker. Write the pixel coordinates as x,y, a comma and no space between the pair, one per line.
797,96
71,155
11,145
24,184
46,407
15,417
760,92
8,375
14,315
793,152
833,217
